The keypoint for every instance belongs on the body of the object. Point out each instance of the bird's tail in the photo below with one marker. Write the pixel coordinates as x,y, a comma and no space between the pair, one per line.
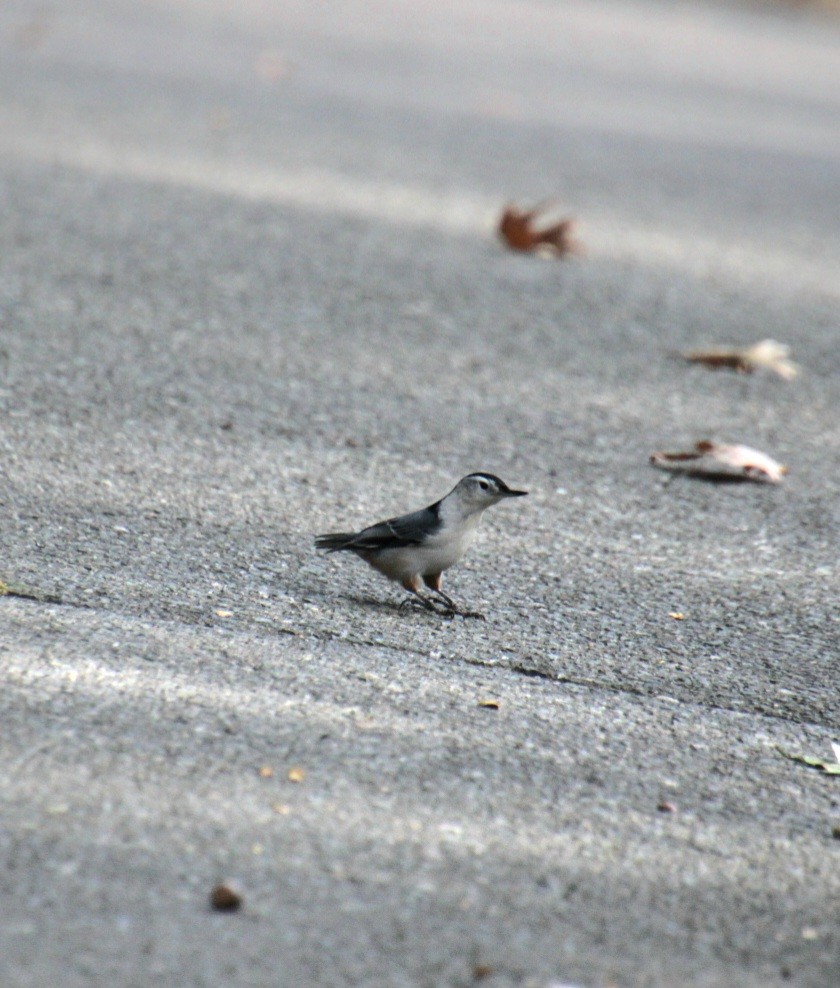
334,541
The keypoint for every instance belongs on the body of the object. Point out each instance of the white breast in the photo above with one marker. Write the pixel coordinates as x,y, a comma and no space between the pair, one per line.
434,556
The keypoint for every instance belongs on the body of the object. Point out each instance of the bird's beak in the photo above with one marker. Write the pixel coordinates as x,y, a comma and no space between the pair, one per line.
510,493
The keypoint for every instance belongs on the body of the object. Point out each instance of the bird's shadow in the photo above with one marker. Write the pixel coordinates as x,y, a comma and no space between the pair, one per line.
709,477
401,608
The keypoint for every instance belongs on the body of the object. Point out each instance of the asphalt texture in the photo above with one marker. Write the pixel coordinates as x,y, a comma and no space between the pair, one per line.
249,292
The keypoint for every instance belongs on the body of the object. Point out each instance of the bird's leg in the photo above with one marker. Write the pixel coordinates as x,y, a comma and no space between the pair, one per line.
433,583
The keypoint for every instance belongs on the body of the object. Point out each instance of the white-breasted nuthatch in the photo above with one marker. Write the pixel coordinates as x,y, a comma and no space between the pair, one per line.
421,545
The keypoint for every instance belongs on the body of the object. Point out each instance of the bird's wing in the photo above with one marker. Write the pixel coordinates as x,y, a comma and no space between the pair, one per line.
397,533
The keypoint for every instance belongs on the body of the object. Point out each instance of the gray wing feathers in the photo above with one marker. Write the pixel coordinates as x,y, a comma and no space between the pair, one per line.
395,533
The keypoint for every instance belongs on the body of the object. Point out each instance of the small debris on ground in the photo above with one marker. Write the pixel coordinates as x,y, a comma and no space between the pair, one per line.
766,355
822,764
518,232
225,898
721,461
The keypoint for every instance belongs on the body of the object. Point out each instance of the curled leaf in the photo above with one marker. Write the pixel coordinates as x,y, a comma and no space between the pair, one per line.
767,354
719,461
517,230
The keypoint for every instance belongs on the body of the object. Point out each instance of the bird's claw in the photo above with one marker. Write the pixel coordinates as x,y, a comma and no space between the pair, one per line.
452,612
442,610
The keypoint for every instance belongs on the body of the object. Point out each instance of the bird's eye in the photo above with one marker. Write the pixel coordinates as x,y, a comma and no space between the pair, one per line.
484,485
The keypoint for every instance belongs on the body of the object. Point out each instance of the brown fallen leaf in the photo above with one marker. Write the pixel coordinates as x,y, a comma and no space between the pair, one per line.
676,615
489,704
719,461
666,807
266,771
767,354
516,228
296,775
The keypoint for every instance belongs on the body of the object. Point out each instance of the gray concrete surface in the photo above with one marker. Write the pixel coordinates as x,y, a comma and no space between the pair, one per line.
248,292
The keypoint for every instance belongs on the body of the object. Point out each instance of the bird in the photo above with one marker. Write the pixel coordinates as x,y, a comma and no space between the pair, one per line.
416,548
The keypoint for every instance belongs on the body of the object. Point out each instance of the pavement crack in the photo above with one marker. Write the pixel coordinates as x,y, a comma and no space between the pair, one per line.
21,592
510,664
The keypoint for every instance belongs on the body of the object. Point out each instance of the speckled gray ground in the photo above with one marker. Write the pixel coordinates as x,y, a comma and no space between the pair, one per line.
249,292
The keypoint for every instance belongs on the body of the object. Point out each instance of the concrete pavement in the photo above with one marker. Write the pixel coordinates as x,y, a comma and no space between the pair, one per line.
249,291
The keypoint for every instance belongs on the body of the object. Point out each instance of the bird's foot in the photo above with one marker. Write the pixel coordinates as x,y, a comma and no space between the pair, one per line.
471,614
447,609
452,609
427,605
457,612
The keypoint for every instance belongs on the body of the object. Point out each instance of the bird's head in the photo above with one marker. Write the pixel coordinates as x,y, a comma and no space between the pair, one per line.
478,491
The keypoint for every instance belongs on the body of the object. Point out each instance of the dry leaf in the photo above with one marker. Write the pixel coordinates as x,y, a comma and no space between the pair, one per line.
266,772
823,764
516,228
225,898
296,775
676,615
489,704
767,354
666,807
718,461
223,613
